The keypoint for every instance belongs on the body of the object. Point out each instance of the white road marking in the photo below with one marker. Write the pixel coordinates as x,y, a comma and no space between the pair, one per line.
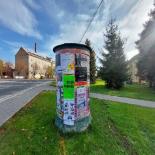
6,81
7,86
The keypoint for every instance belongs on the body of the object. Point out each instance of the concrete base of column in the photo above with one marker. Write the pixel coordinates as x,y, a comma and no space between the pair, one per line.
79,125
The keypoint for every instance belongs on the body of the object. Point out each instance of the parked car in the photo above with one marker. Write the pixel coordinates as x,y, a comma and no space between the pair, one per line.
19,77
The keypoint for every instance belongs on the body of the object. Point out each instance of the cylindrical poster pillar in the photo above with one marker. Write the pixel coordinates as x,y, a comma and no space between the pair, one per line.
72,74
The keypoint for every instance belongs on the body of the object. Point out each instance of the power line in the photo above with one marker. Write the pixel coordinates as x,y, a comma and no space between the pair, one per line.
91,20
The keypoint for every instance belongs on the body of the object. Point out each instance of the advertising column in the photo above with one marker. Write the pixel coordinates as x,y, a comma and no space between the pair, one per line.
72,75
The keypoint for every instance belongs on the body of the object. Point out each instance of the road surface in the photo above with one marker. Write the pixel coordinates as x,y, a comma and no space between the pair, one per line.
10,87
14,94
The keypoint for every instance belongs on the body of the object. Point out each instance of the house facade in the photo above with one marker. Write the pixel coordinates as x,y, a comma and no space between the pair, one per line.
133,70
31,65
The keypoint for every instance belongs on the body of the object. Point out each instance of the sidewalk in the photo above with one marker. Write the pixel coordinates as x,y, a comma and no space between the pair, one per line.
143,103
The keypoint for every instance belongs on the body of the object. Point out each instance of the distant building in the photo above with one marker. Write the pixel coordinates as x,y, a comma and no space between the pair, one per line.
133,70
31,65
7,70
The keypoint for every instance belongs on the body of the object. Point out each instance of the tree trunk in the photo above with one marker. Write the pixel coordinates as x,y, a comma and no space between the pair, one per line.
150,84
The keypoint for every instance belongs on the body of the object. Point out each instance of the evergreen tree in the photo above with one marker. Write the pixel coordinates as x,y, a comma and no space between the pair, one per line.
146,46
113,64
92,62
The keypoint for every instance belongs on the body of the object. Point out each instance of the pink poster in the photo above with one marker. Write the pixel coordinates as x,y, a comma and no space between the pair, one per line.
82,109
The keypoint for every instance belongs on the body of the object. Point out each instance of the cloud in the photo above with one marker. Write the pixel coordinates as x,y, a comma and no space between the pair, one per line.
71,19
73,29
32,4
14,44
15,15
130,16
52,9
132,24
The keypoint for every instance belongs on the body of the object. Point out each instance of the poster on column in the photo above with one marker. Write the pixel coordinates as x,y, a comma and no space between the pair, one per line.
58,63
85,61
81,101
59,109
67,63
82,60
69,112
59,79
68,86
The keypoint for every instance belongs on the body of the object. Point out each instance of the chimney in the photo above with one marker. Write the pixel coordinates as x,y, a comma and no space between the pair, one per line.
35,47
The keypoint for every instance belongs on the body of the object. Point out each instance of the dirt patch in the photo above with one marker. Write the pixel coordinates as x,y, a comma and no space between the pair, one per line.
2,130
62,149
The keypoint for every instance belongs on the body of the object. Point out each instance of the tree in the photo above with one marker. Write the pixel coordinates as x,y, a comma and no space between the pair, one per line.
1,68
8,69
113,63
92,62
49,72
145,44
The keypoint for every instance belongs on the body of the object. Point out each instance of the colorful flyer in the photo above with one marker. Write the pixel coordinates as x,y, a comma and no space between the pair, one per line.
68,86
67,63
81,103
69,112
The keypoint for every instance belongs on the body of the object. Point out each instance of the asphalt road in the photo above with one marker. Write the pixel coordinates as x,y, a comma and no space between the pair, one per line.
14,94
11,87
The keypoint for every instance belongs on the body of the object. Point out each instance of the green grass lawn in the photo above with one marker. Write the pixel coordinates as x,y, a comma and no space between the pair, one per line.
116,129
136,91
53,83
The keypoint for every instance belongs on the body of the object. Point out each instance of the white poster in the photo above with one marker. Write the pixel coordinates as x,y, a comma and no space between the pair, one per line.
67,63
58,69
59,83
81,90
68,122
81,97
69,112
84,60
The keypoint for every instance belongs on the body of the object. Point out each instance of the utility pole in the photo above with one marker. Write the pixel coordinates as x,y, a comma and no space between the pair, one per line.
35,47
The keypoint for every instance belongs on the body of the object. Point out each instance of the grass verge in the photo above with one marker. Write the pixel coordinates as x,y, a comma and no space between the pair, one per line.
136,91
53,83
116,129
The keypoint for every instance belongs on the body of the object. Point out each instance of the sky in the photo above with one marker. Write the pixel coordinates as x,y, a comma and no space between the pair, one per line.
53,22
